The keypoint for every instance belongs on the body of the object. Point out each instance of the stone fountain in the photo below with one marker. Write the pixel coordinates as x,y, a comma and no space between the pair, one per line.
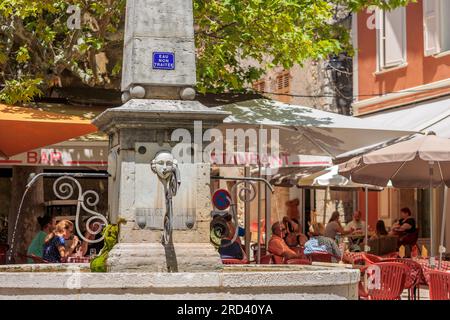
164,250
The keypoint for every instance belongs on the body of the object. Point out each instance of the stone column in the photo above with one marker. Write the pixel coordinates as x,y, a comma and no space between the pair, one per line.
138,130
159,63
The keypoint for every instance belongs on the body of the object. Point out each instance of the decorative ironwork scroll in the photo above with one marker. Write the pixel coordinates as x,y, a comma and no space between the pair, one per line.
219,226
64,189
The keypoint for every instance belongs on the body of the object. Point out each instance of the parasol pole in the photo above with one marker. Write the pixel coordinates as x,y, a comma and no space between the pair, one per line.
268,206
248,235
258,258
325,206
366,237
444,213
431,163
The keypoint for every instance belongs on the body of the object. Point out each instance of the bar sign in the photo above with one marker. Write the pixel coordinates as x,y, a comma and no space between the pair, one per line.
164,60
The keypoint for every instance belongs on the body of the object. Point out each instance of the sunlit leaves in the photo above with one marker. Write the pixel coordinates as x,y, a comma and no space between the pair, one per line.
236,40
22,55
21,90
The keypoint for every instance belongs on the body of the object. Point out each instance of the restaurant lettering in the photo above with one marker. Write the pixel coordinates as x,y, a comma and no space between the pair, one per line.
48,157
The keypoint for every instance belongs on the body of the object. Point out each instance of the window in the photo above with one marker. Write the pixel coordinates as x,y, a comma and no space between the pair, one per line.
259,86
436,26
283,87
283,83
391,38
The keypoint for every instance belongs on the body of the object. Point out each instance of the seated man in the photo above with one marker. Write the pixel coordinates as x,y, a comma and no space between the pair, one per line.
277,245
357,225
319,243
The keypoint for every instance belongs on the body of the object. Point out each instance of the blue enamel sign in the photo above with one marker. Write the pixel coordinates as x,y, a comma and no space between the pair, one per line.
164,60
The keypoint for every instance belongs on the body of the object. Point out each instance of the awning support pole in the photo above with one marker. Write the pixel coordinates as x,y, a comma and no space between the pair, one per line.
431,203
366,237
444,213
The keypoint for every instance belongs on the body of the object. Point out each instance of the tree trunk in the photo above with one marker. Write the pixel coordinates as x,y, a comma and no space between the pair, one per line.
33,207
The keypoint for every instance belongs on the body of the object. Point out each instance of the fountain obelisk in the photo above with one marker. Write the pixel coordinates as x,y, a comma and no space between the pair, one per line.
158,78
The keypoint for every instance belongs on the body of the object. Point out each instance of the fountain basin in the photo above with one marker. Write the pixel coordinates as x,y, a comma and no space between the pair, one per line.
232,282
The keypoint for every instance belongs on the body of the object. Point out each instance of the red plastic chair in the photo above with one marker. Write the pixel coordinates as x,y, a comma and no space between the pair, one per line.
371,258
267,259
298,261
439,284
322,257
235,261
392,282
281,260
414,276
392,255
244,260
277,259
409,239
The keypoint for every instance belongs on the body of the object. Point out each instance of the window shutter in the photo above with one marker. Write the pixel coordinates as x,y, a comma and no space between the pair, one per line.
431,27
394,37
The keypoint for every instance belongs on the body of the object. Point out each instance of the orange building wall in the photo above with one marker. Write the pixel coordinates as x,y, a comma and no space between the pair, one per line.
419,70
373,207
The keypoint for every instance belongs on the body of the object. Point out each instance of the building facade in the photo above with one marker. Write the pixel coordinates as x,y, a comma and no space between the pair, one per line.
402,78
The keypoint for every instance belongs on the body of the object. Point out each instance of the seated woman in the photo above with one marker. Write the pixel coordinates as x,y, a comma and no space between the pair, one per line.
406,224
55,243
93,232
319,243
380,230
229,249
47,225
334,227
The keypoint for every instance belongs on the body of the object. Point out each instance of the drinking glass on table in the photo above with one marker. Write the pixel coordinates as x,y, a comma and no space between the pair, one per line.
92,253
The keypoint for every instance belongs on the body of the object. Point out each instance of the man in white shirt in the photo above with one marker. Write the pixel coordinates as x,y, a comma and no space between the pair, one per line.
356,225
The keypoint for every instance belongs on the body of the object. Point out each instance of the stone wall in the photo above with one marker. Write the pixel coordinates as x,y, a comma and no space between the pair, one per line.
5,197
239,282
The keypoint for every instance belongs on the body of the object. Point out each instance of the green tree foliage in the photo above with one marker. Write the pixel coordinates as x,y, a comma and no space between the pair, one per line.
37,49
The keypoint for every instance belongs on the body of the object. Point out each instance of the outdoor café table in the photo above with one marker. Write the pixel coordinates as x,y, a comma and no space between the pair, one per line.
356,257
79,260
425,264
